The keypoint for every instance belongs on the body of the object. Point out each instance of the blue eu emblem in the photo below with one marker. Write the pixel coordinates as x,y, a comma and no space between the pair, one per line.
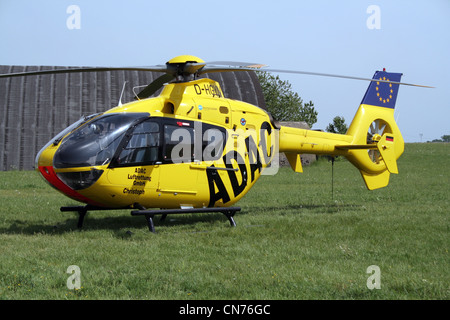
383,93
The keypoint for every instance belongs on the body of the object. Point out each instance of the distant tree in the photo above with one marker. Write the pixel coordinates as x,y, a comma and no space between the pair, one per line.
444,138
283,103
337,126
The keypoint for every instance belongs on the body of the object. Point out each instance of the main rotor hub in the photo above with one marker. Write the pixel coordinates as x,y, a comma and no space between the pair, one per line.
185,59
185,67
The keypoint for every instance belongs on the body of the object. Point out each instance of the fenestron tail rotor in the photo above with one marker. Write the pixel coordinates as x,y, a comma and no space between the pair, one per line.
376,130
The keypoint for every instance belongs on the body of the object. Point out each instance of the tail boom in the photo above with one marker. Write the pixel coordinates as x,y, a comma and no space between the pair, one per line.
373,142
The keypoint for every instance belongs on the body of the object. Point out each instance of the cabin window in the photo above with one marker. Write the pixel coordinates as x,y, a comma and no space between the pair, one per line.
180,138
178,143
214,140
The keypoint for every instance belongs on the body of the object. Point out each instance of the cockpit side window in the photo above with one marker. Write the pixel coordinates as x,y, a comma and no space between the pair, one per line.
180,140
142,146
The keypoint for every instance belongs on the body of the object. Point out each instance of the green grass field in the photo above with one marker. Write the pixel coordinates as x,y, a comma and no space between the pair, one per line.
293,240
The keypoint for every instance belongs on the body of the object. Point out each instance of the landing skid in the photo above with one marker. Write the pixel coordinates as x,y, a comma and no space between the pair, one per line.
150,214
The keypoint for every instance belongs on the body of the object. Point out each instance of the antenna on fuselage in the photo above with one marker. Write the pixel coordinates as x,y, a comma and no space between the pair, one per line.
121,94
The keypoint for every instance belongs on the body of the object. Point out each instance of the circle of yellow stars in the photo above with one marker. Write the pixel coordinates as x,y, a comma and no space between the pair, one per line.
391,91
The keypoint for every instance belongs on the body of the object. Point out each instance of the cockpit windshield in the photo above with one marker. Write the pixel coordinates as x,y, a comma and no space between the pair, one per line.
95,142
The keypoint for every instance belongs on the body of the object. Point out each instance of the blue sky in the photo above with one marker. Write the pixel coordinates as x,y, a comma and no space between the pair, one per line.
318,36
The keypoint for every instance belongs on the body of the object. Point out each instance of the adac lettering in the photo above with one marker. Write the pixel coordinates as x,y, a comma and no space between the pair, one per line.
140,179
214,179
267,155
254,162
237,188
253,157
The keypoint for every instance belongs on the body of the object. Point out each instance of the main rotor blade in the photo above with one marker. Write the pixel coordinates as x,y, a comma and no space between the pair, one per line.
155,86
192,67
234,64
200,68
341,76
228,66
257,67
83,69
210,69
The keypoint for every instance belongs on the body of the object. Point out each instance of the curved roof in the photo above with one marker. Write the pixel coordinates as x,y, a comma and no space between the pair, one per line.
34,109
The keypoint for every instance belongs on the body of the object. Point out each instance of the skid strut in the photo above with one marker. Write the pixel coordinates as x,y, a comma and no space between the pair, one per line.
82,210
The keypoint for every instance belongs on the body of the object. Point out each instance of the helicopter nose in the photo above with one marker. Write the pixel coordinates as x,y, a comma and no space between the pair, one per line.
44,165
49,174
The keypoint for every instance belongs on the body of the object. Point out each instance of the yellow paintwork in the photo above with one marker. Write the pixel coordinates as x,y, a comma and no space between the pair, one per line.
199,184
353,144
185,58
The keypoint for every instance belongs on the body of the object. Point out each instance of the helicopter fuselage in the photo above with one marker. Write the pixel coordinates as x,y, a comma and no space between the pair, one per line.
190,147
187,148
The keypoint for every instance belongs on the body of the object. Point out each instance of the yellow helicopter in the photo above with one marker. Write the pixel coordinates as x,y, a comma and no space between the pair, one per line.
190,149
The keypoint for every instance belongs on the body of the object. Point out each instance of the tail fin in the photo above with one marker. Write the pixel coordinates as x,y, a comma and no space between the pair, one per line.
377,142
380,93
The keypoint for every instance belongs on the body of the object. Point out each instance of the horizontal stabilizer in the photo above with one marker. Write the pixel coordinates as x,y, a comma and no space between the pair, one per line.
356,146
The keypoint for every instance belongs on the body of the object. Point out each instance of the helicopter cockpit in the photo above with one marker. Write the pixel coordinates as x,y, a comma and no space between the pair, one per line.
131,139
96,142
